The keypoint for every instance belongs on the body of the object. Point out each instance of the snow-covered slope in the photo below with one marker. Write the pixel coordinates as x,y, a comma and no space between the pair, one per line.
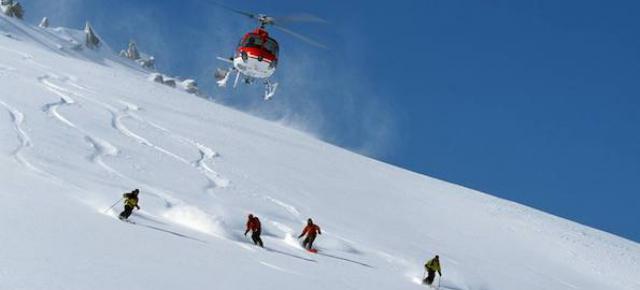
81,127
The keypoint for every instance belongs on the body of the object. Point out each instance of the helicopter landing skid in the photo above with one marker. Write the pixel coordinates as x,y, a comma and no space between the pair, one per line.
222,77
269,89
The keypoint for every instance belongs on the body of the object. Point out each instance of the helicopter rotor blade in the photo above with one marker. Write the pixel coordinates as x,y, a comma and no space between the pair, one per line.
248,14
300,36
277,22
299,18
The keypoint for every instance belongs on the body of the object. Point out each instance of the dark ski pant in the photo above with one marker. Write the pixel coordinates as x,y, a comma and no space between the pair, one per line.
308,242
127,212
255,236
431,275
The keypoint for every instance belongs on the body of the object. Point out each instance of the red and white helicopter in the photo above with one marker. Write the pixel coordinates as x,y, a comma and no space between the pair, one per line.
256,57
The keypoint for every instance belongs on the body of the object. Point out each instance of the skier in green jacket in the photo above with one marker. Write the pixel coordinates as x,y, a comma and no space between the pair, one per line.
432,266
130,201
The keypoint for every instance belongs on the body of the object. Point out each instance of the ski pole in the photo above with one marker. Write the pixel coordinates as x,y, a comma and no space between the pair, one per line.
117,202
439,280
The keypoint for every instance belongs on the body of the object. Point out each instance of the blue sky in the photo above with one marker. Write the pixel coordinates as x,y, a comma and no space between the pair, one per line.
533,101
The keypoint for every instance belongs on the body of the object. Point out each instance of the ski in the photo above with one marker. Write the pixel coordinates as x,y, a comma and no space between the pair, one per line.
127,221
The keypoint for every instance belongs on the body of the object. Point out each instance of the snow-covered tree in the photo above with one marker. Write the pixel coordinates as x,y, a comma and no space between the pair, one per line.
156,77
191,86
91,39
44,23
12,8
149,63
170,82
132,51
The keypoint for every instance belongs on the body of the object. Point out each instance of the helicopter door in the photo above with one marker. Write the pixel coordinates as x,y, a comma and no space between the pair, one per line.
271,46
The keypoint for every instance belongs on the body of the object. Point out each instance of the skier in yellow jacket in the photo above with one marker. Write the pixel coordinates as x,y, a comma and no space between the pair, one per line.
130,201
432,266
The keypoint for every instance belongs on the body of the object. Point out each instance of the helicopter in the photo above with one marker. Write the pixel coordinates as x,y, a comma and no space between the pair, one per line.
256,56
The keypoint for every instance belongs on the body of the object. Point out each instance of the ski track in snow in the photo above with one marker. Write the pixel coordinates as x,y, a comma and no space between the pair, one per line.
287,207
215,180
25,142
52,108
277,268
211,176
103,149
206,153
117,123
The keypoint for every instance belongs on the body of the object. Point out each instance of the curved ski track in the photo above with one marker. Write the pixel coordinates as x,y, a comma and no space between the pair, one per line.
25,142
118,115
103,148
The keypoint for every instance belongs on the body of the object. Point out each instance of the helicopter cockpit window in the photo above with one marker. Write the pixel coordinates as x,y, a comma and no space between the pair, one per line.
272,46
253,41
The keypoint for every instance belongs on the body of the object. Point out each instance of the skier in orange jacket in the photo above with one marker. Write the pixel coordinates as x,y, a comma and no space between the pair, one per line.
311,230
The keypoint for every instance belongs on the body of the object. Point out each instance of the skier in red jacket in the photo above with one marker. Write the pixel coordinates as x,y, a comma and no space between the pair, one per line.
253,225
311,230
